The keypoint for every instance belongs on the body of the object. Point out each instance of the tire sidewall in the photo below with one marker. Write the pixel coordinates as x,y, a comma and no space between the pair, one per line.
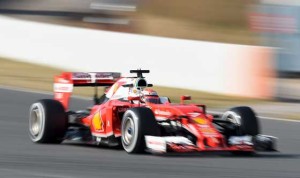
41,109
54,121
144,123
129,113
247,121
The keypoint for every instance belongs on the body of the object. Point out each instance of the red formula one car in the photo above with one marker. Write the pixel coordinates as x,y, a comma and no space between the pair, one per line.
131,115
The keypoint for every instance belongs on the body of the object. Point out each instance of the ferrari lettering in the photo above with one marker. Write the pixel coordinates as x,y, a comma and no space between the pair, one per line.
63,87
160,112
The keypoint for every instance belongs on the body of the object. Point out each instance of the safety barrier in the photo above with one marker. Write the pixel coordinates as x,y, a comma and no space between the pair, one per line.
214,67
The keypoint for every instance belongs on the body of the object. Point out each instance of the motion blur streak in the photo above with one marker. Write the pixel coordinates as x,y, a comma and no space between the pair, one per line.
278,24
21,158
96,47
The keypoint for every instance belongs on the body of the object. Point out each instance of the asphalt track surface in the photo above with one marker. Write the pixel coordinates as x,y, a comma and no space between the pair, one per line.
19,157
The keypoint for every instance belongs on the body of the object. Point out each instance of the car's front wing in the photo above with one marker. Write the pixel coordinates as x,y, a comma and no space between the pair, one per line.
165,144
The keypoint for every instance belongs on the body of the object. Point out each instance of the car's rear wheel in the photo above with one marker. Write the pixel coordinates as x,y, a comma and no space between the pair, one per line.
136,123
47,121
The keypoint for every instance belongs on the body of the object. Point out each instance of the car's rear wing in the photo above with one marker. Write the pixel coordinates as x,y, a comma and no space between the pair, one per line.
64,83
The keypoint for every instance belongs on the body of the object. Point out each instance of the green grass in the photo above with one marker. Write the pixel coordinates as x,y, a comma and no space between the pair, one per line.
203,11
37,77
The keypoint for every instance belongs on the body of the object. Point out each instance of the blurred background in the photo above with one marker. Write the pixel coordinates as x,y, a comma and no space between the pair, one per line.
223,53
212,20
260,39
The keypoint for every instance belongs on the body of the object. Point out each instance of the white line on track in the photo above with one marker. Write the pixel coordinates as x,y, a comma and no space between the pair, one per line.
37,91
278,119
85,98
261,117
22,173
25,90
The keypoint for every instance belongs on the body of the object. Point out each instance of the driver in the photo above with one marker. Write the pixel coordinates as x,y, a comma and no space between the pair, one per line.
150,96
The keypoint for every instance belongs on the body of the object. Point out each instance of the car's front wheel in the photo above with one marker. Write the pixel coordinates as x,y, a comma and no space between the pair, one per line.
245,123
136,123
244,119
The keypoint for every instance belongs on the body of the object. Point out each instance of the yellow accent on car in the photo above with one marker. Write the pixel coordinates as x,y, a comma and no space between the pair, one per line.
97,121
201,121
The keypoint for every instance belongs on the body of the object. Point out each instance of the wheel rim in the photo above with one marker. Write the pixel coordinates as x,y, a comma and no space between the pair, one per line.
232,117
36,122
128,131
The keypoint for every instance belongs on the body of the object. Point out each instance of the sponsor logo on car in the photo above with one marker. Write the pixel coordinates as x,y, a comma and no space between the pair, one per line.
201,121
97,122
160,112
63,87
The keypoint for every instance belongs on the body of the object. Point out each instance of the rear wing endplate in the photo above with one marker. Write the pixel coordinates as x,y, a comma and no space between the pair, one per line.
64,83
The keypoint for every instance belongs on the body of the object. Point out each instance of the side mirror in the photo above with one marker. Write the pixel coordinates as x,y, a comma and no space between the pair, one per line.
184,97
164,100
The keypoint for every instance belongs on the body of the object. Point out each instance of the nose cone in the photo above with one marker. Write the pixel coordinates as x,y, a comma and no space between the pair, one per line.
212,142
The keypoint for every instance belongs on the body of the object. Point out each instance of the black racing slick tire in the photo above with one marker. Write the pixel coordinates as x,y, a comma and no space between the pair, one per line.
47,121
245,119
136,123
246,124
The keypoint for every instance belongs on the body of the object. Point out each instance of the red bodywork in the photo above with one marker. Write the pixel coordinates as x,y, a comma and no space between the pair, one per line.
104,119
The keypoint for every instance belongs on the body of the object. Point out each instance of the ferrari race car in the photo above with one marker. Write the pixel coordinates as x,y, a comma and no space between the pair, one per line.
132,115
